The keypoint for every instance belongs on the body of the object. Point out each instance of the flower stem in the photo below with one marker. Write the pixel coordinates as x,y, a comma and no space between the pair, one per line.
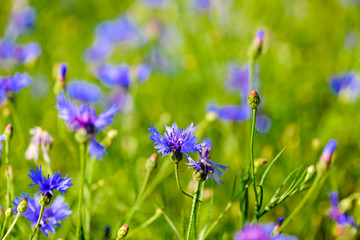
176,168
301,204
157,214
9,184
81,190
5,223
12,225
89,206
252,163
193,209
38,221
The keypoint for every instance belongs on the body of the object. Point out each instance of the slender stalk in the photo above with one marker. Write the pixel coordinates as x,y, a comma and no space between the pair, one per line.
81,190
302,203
12,225
172,225
193,209
89,207
176,169
252,170
140,196
157,214
5,223
9,184
38,221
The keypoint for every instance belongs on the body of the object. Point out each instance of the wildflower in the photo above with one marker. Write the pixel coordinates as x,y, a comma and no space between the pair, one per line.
112,75
259,231
328,152
40,138
204,165
21,21
52,216
176,141
256,47
341,218
143,72
47,185
83,91
346,86
11,84
99,51
238,79
121,98
83,118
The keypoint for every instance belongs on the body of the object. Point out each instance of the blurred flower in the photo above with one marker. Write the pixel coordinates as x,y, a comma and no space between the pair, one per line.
202,5
155,4
83,91
238,79
259,231
39,138
176,140
205,165
11,84
121,98
84,118
52,216
339,217
143,72
21,21
99,51
328,152
346,86
112,75
46,185
19,54
230,112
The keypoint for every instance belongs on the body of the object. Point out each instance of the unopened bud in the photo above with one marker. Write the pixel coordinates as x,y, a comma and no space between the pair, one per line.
8,212
309,173
10,173
253,99
110,137
325,159
259,163
81,136
278,225
176,156
23,205
8,132
199,175
151,162
123,231
61,79
256,47
45,199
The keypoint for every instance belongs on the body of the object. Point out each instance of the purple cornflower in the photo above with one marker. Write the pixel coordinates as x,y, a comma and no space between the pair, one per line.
46,185
112,75
204,164
176,140
83,91
339,217
346,86
259,231
11,84
83,117
52,216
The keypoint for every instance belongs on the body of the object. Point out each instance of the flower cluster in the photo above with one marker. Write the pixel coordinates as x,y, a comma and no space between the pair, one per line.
341,218
52,216
84,118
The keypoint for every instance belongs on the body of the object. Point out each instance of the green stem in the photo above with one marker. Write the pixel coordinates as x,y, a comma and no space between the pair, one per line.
301,204
38,221
89,207
81,190
157,214
5,223
172,225
176,168
12,226
7,174
193,209
140,196
252,163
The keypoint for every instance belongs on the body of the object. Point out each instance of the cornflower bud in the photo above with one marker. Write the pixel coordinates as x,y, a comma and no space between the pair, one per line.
8,212
45,199
8,132
107,141
278,225
81,136
256,47
253,99
151,162
123,231
176,156
309,173
259,163
199,175
61,79
23,205
325,159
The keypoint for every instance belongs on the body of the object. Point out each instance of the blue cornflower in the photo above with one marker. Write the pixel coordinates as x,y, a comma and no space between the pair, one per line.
176,140
112,75
204,164
20,54
83,91
21,21
259,231
346,86
84,117
46,185
52,216
11,84
338,216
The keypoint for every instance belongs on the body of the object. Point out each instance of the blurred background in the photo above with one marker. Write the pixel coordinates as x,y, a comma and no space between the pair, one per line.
189,46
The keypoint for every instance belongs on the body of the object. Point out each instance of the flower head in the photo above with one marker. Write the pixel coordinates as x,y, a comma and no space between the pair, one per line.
338,216
205,165
40,138
259,231
83,91
177,141
346,86
47,185
11,84
52,216
84,118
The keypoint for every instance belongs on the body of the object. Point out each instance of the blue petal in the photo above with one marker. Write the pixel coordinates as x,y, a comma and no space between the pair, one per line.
230,112
96,149
83,91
